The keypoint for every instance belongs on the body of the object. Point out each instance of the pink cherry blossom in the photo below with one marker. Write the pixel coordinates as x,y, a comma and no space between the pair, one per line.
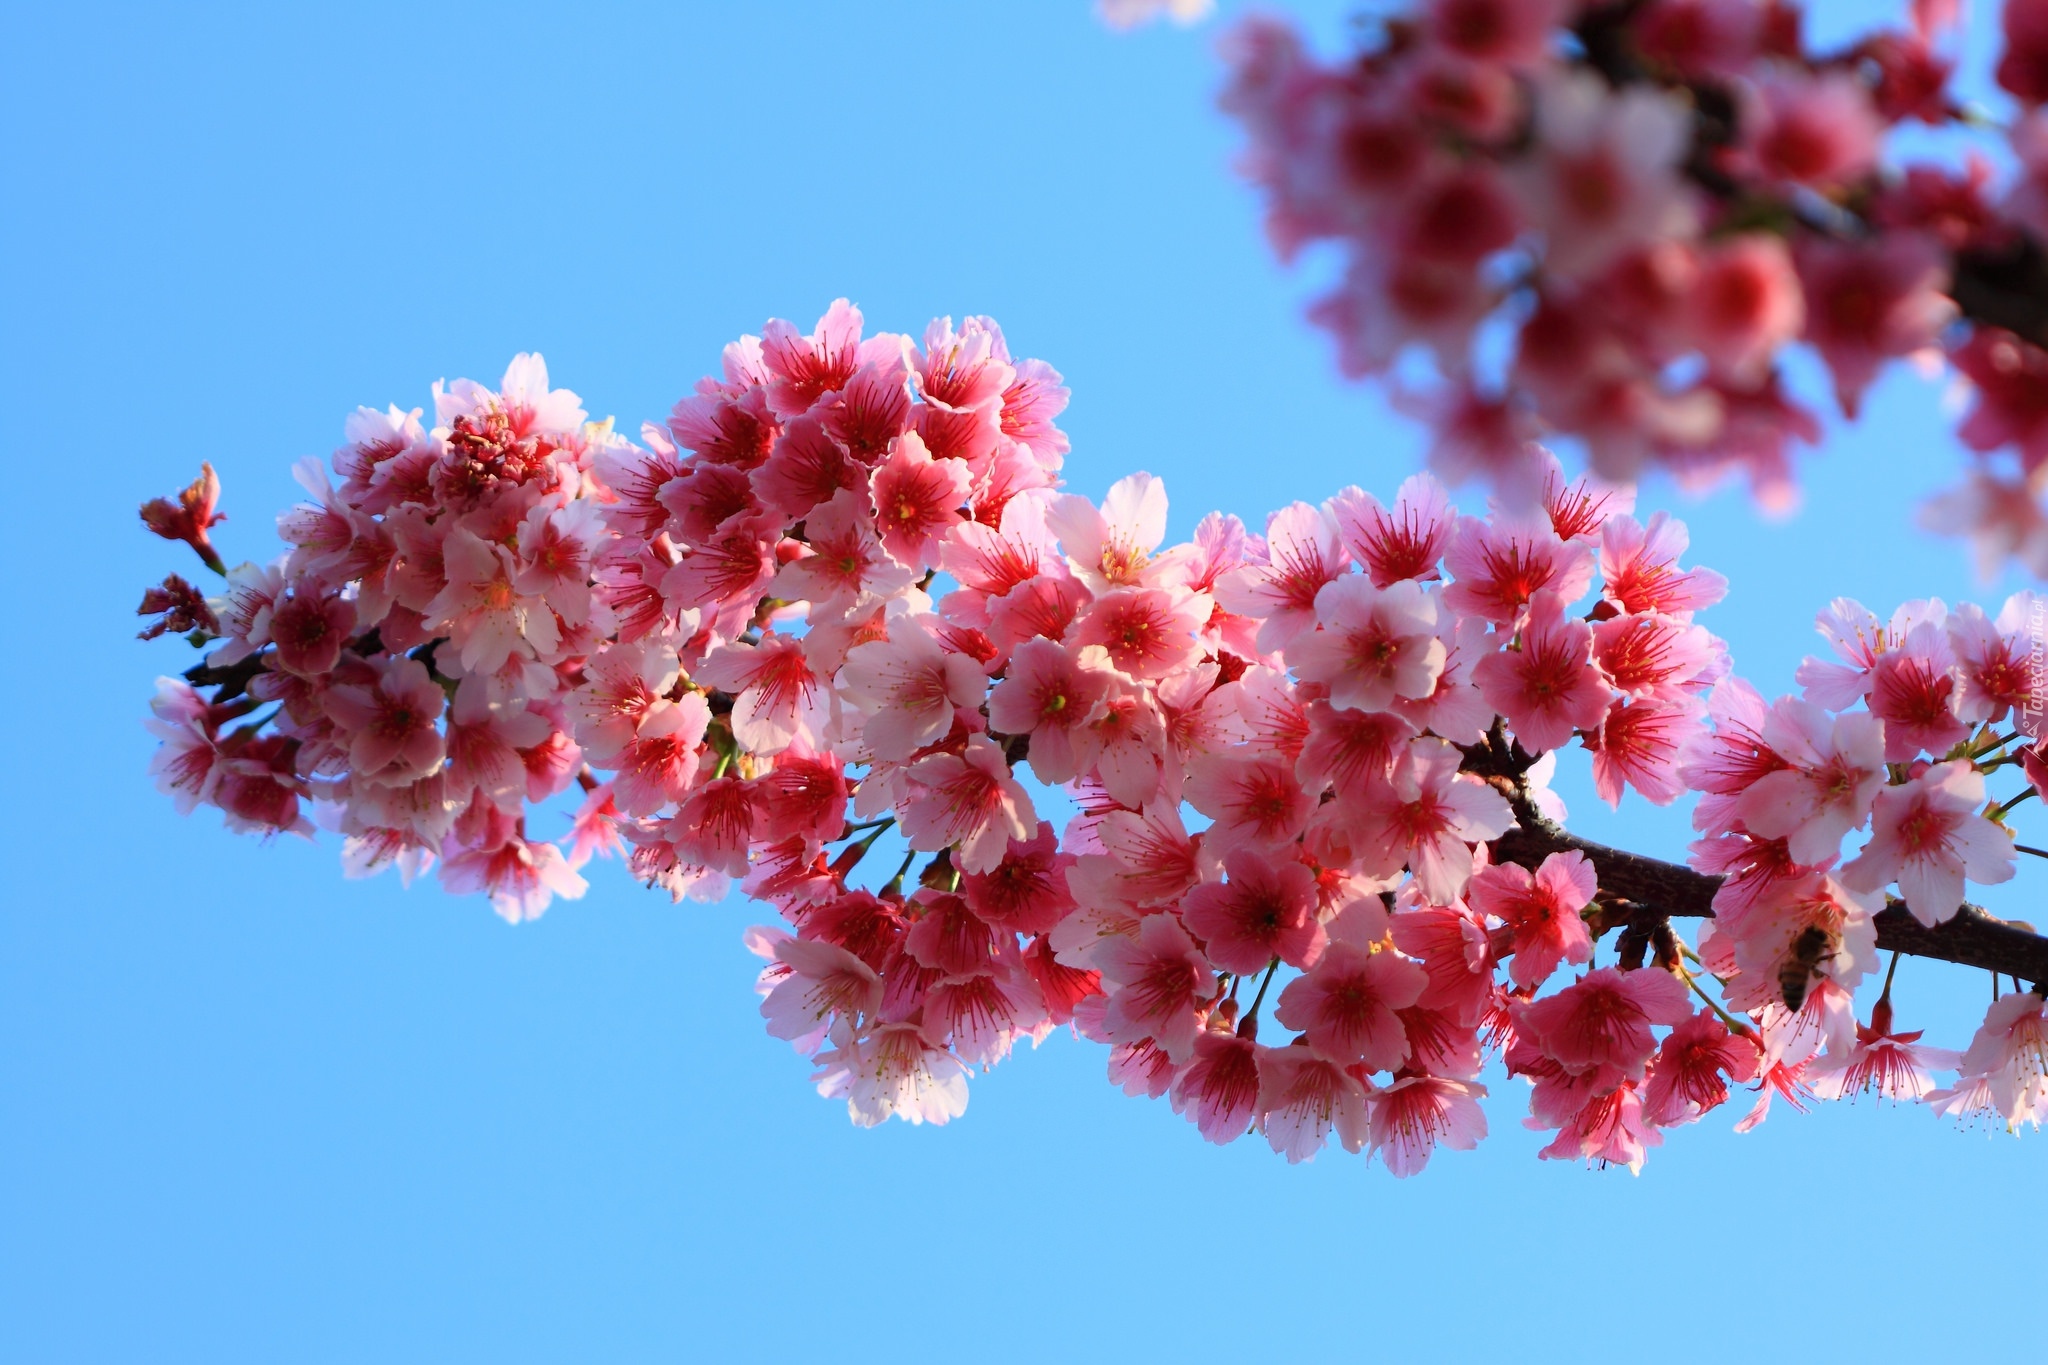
909,689
1548,687
1266,910
1219,1090
1416,1114
1303,1099
1346,1006
1927,836
1836,770
969,800
1158,984
1543,911
1426,817
917,501
1603,1019
1374,644
1303,553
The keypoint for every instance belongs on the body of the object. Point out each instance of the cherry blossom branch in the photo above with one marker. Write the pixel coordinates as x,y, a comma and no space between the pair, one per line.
1972,937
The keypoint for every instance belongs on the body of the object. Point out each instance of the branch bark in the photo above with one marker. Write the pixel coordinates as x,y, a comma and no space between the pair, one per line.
1973,937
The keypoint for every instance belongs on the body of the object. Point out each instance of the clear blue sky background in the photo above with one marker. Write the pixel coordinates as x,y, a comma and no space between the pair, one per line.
251,1112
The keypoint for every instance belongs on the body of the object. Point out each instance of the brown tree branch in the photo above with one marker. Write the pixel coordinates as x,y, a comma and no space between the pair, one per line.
1973,937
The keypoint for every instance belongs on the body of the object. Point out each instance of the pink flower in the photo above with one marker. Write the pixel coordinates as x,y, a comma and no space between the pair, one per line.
1641,744
917,501
1654,655
1220,1089
820,981
1549,687
1346,1006
1687,1078
1252,799
1867,303
1350,750
1147,633
1374,644
1818,131
1993,663
1050,693
1303,1098
2009,1054
892,1072
1928,836
778,698
716,822
309,626
2009,378
1266,910
1456,954
1837,768
1639,568
1603,177
185,766
484,613
1405,542
520,875
1610,1128
1426,818
1514,33
805,369
1158,984
1416,1114
1027,892
1500,566
1543,911
1603,1019
909,689
1894,1065
1913,691
1115,546
391,722
1745,304
1302,554
847,568
968,800
655,767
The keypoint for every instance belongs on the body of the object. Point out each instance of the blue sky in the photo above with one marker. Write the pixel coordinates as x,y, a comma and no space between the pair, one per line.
249,1111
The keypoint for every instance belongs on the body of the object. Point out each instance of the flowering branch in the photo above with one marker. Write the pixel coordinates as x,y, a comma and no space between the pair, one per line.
1972,937
838,598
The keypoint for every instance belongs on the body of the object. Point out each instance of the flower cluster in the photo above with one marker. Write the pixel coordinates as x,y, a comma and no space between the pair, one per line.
1609,222
838,598
1892,739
